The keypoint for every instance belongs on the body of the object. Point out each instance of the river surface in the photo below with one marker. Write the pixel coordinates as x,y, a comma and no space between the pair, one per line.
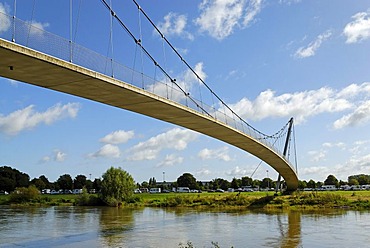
154,227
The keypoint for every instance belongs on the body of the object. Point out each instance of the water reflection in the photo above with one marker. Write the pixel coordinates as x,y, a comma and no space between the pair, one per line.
114,224
292,236
155,227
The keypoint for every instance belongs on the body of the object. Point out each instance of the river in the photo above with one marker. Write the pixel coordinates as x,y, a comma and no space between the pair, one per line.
155,227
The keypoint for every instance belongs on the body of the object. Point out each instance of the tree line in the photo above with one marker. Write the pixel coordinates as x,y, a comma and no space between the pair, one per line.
188,180
11,178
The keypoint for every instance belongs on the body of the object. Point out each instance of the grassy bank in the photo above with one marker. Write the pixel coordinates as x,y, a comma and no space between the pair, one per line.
267,200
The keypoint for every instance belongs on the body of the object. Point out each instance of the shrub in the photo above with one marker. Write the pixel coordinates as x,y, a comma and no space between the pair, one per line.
23,194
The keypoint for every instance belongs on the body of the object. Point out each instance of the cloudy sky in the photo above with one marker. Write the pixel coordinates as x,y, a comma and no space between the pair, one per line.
268,60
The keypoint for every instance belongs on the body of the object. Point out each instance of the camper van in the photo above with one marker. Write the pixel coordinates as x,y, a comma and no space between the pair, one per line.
183,190
155,190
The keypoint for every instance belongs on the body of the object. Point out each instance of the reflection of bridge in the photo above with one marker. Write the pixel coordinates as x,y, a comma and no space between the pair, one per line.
27,56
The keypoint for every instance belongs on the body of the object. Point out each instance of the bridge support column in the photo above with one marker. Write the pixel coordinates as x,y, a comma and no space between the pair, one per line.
285,150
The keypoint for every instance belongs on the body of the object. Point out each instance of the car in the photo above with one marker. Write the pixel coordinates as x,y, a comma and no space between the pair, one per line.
220,190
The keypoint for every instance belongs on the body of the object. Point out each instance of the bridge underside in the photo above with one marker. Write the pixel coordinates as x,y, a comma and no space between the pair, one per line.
29,66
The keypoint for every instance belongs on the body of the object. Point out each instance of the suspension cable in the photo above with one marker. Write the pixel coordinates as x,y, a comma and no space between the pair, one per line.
193,71
31,22
138,42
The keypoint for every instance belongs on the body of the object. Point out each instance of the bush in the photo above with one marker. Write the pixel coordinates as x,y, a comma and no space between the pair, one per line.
23,194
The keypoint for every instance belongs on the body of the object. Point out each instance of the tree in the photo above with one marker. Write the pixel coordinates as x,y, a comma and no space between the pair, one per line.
247,181
236,183
65,182
311,184
220,183
11,178
362,179
187,180
331,180
353,181
145,184
267,183
97,184
117,186
302,184
45,180
152,182
79,182
38,183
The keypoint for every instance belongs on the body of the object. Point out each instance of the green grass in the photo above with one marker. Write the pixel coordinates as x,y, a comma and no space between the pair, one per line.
245,200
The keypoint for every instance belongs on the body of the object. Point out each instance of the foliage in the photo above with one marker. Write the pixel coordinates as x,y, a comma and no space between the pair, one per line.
152,182
187,180
247,181
117,186
23,194
362,179
11,178
65,182
220,183
79,182
267,183
97,184
331,180
86,199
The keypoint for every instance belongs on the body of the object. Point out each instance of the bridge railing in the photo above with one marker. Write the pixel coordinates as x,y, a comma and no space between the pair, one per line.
28,35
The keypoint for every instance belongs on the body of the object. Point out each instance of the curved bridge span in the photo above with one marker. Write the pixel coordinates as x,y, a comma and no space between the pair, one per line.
30,66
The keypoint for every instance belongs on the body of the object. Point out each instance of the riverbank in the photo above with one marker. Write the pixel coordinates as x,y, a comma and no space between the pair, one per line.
357,200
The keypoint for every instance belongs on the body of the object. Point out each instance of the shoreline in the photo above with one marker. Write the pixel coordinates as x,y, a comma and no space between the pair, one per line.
356,200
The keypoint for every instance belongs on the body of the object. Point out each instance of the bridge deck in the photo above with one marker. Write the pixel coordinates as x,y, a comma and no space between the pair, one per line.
42,70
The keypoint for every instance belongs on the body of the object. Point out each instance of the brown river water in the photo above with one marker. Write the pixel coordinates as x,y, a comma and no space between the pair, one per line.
155,227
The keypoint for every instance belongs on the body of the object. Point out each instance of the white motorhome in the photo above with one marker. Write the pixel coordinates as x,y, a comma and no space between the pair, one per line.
155,190
328,187
183,190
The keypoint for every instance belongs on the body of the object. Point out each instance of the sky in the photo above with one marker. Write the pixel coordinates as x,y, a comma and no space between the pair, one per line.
268,60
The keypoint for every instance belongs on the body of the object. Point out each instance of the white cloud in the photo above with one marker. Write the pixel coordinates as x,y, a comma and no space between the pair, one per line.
28,118
202,172
359,147
310,50
176,138
338,145
5,21
317,156
353,90
221,154
355,165
117,137
38,28
359,29
301,105
107,151
219,18
238,172
289,2
190,78
359,116
185,80
252,10
315,170
171,160
174,24
59,156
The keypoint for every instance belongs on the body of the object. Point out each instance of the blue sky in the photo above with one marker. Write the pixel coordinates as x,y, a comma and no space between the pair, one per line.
268,60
